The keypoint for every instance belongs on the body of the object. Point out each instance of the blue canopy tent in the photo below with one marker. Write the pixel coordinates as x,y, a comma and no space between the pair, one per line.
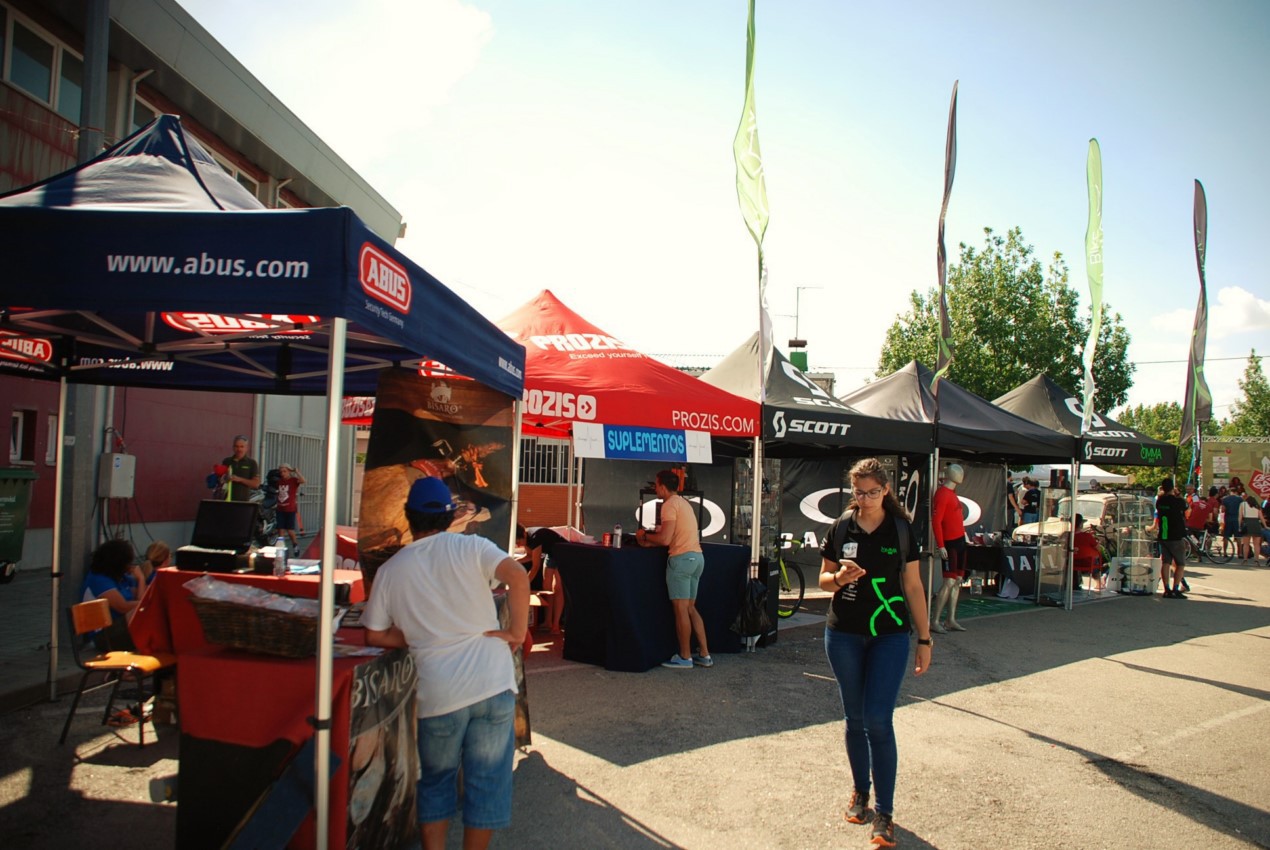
150,266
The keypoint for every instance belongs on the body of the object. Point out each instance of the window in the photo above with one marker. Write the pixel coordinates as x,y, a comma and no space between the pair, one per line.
142,114
22,437
247,183
31,67
50,448
70,88
41,66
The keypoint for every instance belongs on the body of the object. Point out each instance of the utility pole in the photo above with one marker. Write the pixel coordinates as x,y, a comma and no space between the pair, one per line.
798,345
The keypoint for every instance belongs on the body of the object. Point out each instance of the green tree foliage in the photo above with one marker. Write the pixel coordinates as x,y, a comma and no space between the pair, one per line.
1163,422
1250,416
1010,320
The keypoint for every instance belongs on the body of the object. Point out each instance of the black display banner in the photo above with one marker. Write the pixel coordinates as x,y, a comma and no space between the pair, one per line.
814,493
611,496
453,429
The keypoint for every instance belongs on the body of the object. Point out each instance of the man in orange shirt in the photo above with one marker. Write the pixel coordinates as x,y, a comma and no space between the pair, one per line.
678,531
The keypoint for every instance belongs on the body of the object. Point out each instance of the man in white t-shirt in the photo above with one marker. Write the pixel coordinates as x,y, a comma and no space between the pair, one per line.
433,597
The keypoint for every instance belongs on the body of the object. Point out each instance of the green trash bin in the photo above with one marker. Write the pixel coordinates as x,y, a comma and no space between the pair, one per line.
15,501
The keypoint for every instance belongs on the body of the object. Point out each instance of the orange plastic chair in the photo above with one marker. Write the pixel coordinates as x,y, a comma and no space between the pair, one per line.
115,666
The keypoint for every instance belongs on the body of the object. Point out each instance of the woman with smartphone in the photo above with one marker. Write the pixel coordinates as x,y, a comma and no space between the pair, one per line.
870,566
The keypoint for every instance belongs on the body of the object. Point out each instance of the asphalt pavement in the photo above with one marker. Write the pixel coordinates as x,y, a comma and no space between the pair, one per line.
1130,722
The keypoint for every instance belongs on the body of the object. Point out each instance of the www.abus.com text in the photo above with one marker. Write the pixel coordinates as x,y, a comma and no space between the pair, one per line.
206,266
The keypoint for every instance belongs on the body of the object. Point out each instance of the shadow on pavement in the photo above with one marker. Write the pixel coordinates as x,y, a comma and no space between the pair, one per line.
545,795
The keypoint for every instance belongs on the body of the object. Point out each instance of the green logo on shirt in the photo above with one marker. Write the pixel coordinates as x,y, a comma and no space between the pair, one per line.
886,550
885,606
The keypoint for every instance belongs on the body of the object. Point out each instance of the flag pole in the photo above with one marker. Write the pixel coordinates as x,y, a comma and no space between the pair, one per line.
944,341
751,192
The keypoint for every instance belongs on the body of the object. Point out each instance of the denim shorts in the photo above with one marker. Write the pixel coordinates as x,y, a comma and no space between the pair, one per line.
683,574
480,738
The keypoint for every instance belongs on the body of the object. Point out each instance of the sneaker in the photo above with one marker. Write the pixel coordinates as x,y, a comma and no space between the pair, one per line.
883,830
858,810
1177,594
678,663
702,660
1168,594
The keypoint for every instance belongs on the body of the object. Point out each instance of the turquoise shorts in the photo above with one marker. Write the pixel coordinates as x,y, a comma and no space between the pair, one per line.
683,574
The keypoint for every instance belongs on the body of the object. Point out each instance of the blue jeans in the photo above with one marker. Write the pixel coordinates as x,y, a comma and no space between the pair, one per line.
481,737
869,671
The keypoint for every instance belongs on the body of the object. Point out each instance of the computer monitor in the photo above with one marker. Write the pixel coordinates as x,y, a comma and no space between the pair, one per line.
225,525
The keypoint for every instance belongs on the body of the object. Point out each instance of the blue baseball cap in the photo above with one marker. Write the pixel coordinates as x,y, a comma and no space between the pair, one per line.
430,496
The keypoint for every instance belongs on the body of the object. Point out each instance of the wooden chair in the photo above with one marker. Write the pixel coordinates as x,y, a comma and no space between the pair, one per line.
115,666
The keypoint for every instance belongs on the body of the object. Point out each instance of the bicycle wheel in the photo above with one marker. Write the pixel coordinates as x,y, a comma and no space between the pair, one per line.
1220,549
791,589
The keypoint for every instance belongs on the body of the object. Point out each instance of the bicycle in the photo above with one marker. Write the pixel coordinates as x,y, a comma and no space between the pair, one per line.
1205,544
792,584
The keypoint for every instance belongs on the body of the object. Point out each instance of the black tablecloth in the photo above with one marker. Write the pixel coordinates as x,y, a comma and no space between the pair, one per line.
617,608
1017,563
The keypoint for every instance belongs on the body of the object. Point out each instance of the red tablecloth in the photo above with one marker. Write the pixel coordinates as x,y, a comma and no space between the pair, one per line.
166,621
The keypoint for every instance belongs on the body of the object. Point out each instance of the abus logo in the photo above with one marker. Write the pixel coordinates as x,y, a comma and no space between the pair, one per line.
384,278
1109,452
260,323
25,348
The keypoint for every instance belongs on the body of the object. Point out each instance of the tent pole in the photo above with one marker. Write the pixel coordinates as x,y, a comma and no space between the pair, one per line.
1071,539
56,572
577,489
568,481
517,417
930,526
756,520
326,596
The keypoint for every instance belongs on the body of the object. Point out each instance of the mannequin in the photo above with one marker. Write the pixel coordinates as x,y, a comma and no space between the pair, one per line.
950,539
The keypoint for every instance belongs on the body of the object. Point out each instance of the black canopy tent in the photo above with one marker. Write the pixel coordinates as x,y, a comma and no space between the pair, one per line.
968,424
139,268
1044,402
801,419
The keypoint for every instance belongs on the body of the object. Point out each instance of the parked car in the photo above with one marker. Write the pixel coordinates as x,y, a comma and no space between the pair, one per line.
1106,512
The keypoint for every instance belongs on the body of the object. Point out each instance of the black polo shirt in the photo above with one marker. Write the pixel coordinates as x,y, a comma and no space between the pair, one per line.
873,605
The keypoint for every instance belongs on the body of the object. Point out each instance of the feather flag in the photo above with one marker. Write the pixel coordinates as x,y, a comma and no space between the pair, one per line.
1093,270
751,192
1198,406
945,341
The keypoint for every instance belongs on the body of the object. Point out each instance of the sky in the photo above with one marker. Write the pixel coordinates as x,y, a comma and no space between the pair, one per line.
585,147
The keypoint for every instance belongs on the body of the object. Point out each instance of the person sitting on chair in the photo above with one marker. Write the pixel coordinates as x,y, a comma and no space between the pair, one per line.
1087,555
114,576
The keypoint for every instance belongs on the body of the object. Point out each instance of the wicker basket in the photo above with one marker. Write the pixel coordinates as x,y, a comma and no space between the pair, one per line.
256,629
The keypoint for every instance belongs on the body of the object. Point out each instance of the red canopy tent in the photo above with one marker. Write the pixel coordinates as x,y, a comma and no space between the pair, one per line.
576,372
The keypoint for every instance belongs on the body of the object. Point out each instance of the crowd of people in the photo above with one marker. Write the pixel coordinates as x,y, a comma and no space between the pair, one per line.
433,598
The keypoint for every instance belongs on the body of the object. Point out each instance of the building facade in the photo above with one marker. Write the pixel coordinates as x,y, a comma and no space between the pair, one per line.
158,60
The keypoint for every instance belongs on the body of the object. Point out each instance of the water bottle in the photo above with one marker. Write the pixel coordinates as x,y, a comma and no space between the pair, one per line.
280,556
617,536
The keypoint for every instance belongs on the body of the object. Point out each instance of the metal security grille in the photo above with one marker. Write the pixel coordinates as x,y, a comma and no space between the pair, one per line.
544,460
308,455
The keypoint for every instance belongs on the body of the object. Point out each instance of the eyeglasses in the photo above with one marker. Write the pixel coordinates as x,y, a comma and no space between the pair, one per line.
867,494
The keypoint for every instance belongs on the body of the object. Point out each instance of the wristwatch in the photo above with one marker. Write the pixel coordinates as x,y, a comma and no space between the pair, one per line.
925,642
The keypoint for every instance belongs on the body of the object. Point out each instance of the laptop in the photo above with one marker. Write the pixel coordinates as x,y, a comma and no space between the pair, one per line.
223,531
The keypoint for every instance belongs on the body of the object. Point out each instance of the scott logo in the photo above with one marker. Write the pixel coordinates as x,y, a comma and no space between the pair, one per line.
26,348
1109,452
384,278
813,427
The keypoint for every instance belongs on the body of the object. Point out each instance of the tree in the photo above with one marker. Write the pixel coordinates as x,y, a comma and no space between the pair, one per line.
1011,320
1163,422
1250,416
